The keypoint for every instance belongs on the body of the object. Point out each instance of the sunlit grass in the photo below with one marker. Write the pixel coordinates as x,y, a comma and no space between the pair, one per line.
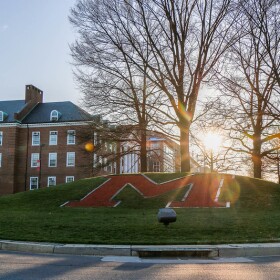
37,216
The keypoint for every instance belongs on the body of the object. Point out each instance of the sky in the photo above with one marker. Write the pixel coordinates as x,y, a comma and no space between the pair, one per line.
34,49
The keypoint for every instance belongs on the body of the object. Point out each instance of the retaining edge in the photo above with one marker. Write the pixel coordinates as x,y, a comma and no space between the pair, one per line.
223,251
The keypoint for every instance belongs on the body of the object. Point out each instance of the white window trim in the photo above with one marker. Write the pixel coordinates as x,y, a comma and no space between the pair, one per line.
68,177
50,134
55,159
51,177
156,165
72,133
33,133
67,159
1,138
37,161
54,116
105,163
0,159
31,181
94,160
94,138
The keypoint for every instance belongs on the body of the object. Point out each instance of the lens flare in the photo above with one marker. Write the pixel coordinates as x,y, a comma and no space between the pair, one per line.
231,190
89,147
183,112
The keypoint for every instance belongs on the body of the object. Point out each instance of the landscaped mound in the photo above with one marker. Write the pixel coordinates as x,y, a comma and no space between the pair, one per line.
36,215
202,190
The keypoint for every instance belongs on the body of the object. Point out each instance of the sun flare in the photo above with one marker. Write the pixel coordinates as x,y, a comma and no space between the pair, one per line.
212,141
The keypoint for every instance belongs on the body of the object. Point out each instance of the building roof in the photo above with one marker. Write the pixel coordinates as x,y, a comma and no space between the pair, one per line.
68,112
10,107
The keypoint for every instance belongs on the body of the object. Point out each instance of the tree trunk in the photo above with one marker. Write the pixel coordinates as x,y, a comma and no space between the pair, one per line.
184,149
118,157
257,164
278,172
256,157
143,151
278,166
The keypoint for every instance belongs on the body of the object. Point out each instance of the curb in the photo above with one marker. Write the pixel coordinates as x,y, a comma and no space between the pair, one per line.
222,251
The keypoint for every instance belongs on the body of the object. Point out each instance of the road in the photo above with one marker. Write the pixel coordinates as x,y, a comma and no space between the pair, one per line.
26,266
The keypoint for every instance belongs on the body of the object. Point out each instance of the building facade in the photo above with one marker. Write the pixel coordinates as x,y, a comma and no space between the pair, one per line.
38,143
163,155
45,144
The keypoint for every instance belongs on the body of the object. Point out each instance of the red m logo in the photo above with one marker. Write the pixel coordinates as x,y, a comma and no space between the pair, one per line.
203,191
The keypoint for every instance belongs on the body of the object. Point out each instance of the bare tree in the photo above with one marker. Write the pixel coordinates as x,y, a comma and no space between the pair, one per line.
272,162
265,16
111,83
102,143
175,44
249,87
211,146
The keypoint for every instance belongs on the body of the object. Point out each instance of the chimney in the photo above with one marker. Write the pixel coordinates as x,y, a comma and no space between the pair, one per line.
33,94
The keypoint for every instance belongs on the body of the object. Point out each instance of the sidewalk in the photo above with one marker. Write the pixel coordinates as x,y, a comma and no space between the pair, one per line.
205,251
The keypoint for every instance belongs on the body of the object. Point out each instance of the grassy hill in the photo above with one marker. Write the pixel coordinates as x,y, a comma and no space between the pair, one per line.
37,216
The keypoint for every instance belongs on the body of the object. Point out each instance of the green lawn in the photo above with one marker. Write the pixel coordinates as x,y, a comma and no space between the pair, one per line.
37,216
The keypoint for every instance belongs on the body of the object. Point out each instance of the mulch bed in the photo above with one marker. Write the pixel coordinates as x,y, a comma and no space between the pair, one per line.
203,192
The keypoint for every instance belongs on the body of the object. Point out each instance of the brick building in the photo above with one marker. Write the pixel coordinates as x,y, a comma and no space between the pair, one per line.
163,154
43,144
38,144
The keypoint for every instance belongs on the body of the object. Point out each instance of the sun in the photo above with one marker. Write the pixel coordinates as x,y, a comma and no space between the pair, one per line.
212,141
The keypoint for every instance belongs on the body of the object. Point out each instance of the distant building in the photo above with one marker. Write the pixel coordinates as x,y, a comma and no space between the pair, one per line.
163,155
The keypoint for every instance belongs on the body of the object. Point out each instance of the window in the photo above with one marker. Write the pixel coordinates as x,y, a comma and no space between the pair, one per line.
53,138
35,138
94,160
52,159
109,147
33,183
155,145
105,163
3,116
70,137
54,115
51,181
0,159
69,179
35,160
1,138
109,168
115,168
94,138
70,161
156,166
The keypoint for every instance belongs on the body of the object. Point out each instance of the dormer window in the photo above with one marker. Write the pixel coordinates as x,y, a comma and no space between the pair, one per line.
3,116
55,115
